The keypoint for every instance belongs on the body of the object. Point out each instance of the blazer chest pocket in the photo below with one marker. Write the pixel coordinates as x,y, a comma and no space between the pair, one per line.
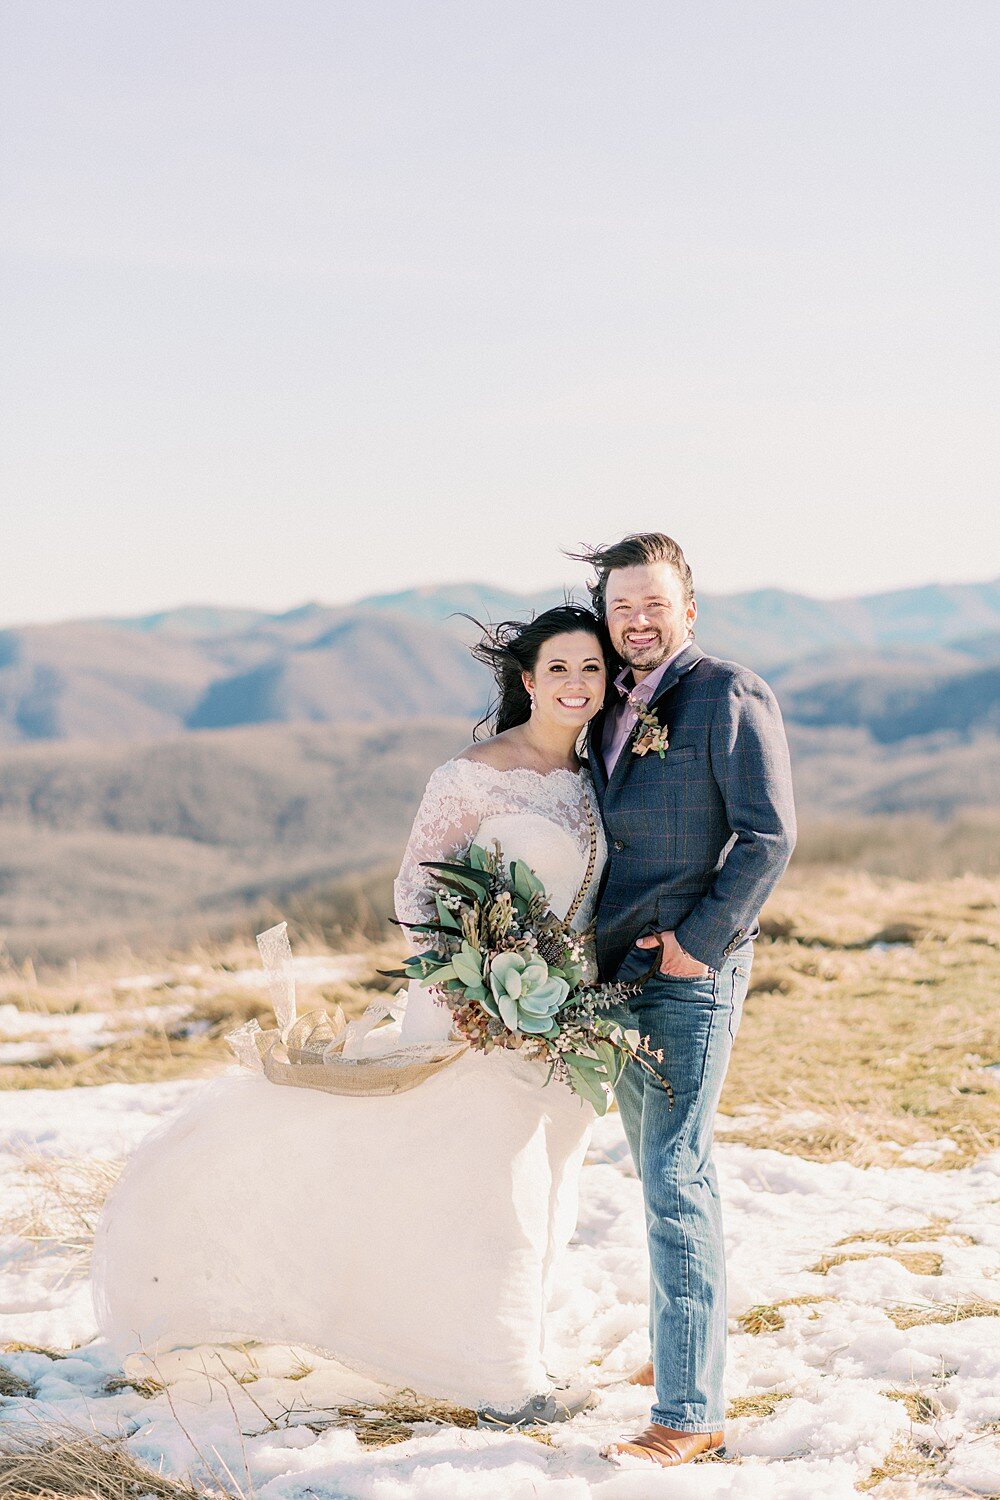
676,753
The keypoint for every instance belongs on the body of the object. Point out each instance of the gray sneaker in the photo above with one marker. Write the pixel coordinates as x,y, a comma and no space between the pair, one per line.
558,1404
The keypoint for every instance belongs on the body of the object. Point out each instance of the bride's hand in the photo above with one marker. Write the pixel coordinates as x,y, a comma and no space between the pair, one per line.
674,961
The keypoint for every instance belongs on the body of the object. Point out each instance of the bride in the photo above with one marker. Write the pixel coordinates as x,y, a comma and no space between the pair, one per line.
413,1237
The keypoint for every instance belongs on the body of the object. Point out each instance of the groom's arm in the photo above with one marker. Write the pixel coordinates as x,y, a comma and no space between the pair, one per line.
749,756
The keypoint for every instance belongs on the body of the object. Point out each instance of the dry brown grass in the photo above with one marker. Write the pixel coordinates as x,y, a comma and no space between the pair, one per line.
763,1317
905,1458
94,973
884,1049
764,1405
145,1058
64,1202
921,1406
164,1044
919,1262
72,1464
12,1385
147,1389
394,1420
767,1317
936,1229
916,1314
913,845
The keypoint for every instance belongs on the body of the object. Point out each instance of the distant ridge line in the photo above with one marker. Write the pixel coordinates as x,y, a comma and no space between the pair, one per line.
876,662
528,600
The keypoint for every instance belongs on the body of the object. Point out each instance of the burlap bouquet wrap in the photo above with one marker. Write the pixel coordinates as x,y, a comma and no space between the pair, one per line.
321,1049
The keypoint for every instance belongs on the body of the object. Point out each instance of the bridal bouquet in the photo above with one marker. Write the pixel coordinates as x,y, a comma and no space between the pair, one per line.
514,975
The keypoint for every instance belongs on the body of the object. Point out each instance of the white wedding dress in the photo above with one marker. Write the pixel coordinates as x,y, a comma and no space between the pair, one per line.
414,1237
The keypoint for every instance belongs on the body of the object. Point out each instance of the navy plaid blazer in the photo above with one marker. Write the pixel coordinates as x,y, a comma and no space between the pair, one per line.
698,840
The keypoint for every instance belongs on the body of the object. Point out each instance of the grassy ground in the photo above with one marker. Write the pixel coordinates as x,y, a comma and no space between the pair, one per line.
170,1019
872,1020
869,1033
870,1027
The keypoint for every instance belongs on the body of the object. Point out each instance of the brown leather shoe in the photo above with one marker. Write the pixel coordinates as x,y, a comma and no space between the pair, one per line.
643,1376
667,1445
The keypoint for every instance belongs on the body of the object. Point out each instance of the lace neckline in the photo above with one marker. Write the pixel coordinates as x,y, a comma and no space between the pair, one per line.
464,760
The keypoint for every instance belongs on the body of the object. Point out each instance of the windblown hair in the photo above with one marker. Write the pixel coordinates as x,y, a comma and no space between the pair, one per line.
635,551
513,647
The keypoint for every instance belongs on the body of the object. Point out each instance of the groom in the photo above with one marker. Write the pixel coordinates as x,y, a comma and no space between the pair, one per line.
698,836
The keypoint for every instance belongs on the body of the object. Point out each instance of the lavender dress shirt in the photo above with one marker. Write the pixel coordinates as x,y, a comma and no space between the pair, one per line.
621,718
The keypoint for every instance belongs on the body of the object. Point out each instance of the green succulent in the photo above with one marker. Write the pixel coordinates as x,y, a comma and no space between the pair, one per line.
525,995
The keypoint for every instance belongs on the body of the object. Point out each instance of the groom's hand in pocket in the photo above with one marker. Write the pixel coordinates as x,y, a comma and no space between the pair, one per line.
673,960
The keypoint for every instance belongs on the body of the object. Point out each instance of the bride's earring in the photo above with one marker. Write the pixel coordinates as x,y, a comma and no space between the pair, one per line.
531,700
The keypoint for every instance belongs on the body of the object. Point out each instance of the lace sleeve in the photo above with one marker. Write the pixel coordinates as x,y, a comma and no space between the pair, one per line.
446,823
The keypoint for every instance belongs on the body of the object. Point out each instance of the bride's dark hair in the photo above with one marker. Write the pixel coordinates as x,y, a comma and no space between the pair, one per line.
512,647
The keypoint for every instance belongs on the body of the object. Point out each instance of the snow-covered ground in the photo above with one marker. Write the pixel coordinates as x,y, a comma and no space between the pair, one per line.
26,1036
830,1365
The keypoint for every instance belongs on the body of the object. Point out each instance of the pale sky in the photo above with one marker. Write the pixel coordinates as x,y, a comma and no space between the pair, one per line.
311,300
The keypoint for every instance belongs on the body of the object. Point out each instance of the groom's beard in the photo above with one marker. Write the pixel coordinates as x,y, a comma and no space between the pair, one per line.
650,657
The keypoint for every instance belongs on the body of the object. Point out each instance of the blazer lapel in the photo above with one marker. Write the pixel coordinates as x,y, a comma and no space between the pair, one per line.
683,662
689,657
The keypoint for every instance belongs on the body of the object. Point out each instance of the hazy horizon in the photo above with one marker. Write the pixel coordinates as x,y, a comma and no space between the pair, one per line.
472,583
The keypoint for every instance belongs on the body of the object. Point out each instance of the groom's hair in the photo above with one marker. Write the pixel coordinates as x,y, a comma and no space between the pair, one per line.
635,551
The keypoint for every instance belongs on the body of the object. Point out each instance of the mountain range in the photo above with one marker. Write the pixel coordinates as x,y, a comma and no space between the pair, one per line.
163,776
904,663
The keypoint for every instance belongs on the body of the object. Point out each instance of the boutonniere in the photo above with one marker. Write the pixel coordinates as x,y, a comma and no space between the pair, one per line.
652,734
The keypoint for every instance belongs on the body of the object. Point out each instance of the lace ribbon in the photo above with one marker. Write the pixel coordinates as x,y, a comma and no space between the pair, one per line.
321,1050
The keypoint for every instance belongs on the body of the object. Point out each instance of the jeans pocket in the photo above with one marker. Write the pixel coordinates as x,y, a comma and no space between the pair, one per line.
688,986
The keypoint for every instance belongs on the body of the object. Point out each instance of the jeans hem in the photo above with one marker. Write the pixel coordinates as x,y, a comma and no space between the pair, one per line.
666,1419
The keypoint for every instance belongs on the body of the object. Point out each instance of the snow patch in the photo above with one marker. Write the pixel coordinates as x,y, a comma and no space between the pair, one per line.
818,1417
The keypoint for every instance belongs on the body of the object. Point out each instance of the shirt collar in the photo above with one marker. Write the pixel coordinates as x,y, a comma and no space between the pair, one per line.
647,687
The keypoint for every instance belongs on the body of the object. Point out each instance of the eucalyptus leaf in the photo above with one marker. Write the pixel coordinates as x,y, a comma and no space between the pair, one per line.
607,1055
448,923
587,1086
446,971
614,1060
584,1061
467,968
526,882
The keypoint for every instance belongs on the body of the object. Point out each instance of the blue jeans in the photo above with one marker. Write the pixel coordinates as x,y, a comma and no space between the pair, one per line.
694,1021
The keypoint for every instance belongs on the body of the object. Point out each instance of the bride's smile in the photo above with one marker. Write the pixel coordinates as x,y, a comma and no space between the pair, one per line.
568,681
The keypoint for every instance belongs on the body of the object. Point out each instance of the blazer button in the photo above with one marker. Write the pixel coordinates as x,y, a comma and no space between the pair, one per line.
619,844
